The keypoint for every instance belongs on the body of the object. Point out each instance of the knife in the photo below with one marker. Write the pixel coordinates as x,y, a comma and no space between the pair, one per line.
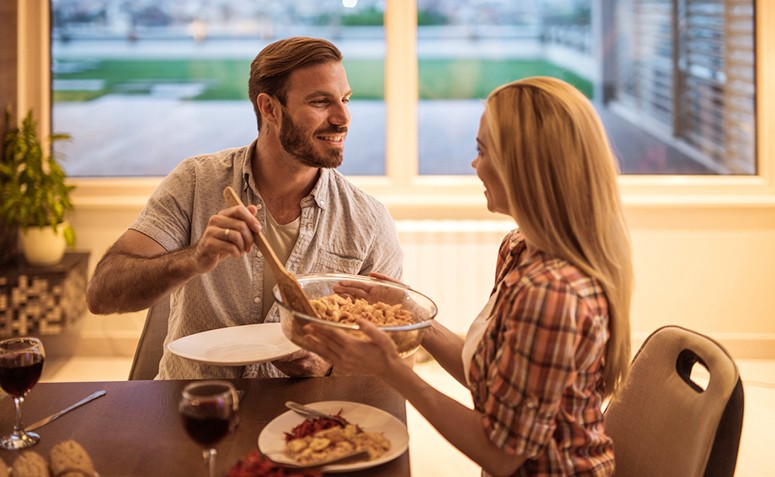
50,418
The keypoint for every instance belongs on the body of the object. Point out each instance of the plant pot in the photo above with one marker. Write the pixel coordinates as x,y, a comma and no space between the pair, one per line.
42,246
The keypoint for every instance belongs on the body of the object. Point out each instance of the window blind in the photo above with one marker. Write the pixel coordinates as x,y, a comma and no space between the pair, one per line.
689,67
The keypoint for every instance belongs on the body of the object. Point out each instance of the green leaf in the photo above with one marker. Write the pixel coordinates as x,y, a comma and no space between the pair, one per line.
34,185
69,234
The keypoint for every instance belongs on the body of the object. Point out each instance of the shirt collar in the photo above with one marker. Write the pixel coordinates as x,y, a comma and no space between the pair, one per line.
247,170
319,193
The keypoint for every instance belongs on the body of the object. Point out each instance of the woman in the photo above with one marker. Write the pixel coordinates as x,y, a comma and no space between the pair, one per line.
553,341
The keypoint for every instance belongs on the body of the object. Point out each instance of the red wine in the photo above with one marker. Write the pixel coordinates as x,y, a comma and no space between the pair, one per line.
20,372
208,430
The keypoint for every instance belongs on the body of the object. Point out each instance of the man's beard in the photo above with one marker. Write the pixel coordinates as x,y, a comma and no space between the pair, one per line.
294,143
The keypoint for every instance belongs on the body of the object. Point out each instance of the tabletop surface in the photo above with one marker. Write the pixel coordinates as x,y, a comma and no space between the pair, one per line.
135,429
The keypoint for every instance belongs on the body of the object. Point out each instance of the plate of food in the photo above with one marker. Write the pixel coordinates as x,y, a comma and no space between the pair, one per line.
235,345
295,440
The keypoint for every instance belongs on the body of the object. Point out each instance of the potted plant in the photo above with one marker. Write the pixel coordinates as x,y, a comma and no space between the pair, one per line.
35,194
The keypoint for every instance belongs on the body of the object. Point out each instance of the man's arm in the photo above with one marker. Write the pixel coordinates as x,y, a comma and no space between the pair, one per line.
136,271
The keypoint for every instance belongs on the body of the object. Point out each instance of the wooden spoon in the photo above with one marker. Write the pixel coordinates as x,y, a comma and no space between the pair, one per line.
290,290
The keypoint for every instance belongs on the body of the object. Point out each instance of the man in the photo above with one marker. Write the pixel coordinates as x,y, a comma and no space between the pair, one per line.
188,244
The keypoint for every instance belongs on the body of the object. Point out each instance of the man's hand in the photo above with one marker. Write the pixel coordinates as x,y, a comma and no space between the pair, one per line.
229,233
302,364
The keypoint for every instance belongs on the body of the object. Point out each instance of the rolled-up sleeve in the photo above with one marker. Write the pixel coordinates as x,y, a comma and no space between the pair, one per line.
166,217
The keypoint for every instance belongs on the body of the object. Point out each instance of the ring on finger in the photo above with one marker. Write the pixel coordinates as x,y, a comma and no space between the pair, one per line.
226,233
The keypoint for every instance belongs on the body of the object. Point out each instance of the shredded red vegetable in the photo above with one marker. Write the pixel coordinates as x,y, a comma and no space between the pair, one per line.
311,426
254,464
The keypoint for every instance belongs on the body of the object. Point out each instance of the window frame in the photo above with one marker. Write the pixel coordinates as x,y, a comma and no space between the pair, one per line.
407,194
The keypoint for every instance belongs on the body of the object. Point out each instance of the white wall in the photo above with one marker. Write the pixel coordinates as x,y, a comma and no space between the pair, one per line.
709,269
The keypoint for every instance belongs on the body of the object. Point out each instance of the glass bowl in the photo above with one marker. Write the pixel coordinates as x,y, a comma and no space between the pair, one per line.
407,337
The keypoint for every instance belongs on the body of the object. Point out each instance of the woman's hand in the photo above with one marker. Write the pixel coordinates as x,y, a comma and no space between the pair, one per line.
379,293
372,292
374,353
387,278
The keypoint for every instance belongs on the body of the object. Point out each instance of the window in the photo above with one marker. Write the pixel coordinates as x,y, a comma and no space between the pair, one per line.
409,194
466,49
686,70
167,79
675,89
145,84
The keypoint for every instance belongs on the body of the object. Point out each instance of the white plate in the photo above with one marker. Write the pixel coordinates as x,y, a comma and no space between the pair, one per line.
272,437
235,345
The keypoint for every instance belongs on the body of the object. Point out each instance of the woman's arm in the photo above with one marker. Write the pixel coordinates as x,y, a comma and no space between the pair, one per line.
446,348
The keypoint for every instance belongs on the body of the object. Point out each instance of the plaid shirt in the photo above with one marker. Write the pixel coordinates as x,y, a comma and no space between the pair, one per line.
536,374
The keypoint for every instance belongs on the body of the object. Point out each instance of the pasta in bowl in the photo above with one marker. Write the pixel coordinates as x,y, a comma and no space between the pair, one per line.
338,299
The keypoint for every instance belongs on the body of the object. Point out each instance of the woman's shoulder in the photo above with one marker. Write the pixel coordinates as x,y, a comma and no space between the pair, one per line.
553,274
511,247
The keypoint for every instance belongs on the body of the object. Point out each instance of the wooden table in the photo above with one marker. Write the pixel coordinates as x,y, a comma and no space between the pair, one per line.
135,429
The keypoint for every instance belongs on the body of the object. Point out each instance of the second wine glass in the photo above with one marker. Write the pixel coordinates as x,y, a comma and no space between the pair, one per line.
209,412
21,364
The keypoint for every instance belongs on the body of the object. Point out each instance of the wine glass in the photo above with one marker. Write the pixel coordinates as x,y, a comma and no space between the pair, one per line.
209,412
21,362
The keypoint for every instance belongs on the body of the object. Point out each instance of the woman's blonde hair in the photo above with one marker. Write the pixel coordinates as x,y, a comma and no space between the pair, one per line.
560,176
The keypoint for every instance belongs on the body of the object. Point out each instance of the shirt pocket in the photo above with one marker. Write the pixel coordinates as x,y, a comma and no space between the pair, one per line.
330,262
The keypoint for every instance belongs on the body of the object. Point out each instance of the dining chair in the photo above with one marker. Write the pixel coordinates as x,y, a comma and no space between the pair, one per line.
680,412
150,347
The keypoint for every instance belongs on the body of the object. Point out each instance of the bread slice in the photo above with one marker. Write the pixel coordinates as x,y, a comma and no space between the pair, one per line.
70,459
30,464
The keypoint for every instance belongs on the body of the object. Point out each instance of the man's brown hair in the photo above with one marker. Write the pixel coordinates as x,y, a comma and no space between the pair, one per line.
271,68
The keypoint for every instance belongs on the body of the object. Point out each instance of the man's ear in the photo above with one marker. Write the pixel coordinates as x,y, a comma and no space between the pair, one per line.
269,108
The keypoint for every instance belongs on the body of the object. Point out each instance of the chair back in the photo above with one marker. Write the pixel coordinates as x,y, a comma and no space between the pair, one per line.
669,421
150,347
